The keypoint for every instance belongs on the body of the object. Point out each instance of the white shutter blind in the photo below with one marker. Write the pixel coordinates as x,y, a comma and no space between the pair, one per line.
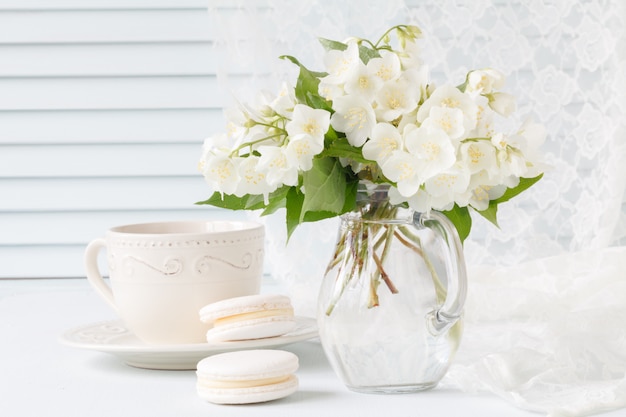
103,109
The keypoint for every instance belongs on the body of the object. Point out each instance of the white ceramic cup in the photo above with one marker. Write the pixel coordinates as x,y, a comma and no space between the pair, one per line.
162,274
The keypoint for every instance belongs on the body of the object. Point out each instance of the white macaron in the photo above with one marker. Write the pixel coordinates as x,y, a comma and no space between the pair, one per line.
247,376
248,317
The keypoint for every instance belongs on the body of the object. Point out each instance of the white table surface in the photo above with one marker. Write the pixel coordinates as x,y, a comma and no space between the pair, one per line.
41,377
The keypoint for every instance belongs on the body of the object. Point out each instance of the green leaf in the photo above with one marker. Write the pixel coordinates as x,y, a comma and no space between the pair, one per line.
325,189
352,186
255,202
460,217
341,148
331,45
313,216
524,184
277,200
366,53
330,136
490,213
293,204
349,204
307,83
232,202
318,102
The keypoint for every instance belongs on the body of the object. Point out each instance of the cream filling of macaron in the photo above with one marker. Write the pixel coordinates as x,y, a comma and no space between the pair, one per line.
218,384
253,315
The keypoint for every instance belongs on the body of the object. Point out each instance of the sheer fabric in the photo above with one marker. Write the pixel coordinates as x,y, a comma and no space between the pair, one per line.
533,280
548,335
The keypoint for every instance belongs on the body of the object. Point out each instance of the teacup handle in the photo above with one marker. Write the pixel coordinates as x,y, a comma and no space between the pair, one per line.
93,273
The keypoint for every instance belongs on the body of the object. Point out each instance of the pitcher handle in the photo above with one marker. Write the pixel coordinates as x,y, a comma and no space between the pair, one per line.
93,273
441,319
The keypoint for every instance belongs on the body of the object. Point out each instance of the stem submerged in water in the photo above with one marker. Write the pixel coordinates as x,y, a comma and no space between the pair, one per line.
366,242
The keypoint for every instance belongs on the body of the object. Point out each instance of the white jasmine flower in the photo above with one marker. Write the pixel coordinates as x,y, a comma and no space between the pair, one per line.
484,119
385,68
449,120
220,171
408,121
528,140
445,187
260,109
450,97
330,91
394,99
420,201
510,159
395,197
285,100
237,124
403,169
363,83
418,80
384,140
478,156
304,147
410,56
354,117
308,121
341,65
279,166
482,189
433,148
484,81
502,103
500,141
251,179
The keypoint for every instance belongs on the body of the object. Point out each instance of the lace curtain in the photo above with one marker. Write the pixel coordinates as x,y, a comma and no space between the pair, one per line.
566,64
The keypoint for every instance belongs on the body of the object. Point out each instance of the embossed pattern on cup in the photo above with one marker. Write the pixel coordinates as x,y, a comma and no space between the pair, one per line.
161,274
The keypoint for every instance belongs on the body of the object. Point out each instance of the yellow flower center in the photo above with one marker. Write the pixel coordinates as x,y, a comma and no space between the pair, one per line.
475,154
431,150
445,123
356,117
253,177
280,162
302,148
481,193
384,72
406,171
222,171
310,126
445,180
449,102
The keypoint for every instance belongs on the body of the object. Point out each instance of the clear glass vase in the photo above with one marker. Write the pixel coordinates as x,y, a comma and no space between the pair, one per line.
390,305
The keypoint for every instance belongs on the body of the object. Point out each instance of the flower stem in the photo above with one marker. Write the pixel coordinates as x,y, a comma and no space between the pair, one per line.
439,289
407,243
384,275
235,151
384,35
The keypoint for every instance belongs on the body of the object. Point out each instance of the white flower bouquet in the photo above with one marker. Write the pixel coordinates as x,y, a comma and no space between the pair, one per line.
373,116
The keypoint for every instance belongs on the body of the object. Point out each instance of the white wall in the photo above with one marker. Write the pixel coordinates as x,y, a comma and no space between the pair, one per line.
103,109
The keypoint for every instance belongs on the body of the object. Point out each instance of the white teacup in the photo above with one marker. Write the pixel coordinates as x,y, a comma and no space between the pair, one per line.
162,274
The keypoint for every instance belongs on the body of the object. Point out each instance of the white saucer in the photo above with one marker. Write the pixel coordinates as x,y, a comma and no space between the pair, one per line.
114,338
